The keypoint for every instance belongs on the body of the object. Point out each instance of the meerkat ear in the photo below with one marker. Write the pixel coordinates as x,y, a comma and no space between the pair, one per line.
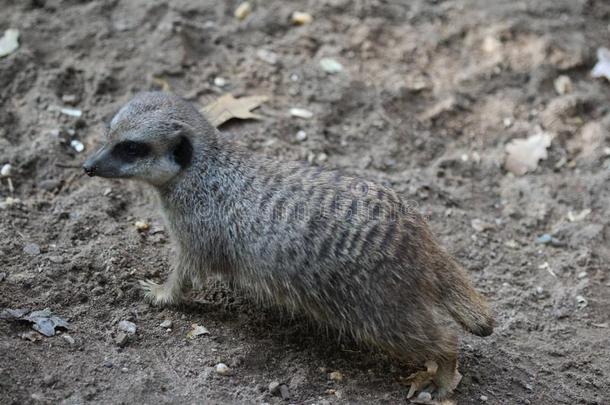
183,151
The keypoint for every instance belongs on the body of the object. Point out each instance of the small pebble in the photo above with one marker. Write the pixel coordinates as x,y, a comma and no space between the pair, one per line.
582,274
511,244
336,376
301,136
222,369
274,387
563,85
581,301
49,379
77,145
284,393
483,398
6,170
330,65
547,239
243,10
128,327
72,112
68,339
301,113
69,98
491,44
322,157
267,56
301,18
480,225
124,370
49,184
141,226
121,339
32,249
9,202
220,82
56,259
424,396
166,324
9,42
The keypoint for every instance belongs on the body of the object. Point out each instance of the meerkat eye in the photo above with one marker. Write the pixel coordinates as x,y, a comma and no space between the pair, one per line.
130,150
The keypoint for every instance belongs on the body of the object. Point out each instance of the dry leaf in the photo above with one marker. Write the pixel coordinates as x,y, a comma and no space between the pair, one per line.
523,154
228,107
161,83
572,217
197,330
602,67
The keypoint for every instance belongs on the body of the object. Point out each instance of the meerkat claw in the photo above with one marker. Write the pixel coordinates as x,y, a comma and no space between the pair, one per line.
435,381
420,380
156,293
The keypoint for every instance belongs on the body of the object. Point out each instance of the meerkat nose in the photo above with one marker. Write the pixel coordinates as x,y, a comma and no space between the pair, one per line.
89,169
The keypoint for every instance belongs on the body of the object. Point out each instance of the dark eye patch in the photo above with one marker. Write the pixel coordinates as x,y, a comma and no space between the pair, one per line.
129,151
183,152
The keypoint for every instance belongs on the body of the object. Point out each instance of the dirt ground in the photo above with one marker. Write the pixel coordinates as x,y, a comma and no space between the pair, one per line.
429,95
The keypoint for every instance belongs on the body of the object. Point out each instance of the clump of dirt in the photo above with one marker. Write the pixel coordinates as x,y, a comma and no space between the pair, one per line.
429,95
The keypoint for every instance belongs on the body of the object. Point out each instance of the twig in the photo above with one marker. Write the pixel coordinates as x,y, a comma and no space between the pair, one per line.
67,166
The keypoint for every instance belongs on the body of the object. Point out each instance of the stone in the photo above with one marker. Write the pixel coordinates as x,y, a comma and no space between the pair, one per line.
121,339
127,327
32,249
222,369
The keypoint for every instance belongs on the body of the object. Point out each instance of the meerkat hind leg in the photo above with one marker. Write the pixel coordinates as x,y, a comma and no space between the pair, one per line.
440,379
447,378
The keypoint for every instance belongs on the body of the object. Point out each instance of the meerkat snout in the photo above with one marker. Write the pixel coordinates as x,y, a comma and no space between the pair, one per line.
348,257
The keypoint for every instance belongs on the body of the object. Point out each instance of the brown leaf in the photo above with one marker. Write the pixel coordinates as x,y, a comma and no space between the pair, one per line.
228,107
161,83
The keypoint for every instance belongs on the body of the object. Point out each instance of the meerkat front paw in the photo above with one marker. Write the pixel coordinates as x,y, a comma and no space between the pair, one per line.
157,294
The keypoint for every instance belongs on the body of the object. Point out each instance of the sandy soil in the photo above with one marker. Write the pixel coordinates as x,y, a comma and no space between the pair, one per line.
430,94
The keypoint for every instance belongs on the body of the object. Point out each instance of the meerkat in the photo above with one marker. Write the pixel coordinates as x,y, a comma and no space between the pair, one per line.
347,253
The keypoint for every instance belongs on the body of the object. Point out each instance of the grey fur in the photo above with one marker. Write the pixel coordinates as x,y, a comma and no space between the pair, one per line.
346,252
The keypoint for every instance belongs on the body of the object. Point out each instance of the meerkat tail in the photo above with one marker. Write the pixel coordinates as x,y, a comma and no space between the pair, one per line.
466,306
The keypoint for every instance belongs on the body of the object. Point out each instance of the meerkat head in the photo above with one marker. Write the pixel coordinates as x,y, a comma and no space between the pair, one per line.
152,138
